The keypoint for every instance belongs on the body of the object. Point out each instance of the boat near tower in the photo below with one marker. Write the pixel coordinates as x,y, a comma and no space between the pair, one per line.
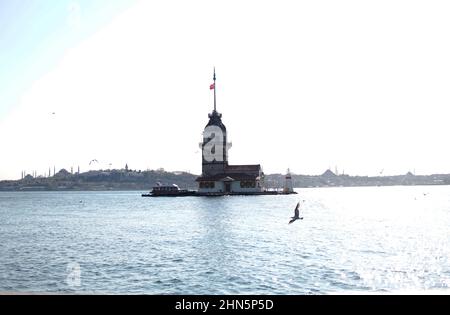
218,177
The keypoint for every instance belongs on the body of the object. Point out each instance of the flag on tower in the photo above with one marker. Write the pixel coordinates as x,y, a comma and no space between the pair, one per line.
212,86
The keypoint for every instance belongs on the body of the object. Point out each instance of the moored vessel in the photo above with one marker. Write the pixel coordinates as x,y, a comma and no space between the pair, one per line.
169,191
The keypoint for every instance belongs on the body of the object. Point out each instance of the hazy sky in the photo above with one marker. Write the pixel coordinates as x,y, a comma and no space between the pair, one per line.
361,85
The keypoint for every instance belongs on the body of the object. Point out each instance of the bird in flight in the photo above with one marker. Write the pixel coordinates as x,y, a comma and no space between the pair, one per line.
296,214
93,161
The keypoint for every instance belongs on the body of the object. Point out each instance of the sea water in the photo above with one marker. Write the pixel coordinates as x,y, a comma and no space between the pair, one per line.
363,240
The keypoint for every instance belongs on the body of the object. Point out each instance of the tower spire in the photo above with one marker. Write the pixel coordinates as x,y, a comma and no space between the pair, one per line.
214,78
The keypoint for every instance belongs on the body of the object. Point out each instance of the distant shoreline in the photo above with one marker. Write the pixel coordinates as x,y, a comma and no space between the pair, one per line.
139,191
132,180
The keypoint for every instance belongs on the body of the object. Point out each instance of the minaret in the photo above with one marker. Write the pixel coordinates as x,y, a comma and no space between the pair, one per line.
214,145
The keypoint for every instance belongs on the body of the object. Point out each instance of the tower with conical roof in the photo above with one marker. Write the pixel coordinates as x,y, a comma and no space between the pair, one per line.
214,145
218,176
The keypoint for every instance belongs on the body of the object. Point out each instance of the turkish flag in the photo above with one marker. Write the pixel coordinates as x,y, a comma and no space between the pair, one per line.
212,86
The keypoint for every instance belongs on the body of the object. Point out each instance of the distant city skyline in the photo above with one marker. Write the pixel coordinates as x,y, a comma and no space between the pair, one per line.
78,170
310,86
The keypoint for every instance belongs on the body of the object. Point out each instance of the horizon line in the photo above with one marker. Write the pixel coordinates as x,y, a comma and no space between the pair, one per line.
162,170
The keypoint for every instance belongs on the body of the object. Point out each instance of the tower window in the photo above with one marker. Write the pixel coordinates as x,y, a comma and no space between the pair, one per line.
207,185
248,184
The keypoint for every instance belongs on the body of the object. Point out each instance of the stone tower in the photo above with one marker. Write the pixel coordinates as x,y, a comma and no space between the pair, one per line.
214,145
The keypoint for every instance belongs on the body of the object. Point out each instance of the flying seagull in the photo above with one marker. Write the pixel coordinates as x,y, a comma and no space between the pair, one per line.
93,161
296,214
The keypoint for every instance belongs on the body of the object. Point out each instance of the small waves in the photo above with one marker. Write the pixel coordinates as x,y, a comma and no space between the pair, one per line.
348,243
